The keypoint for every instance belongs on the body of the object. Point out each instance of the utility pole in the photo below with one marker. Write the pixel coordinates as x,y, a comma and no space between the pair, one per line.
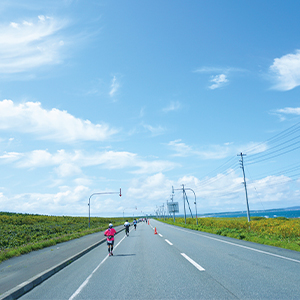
183,194
172,201
245,185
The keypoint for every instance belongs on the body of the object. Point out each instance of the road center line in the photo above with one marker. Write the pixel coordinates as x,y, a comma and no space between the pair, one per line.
192,262
160,235
90,276
168,242
237,245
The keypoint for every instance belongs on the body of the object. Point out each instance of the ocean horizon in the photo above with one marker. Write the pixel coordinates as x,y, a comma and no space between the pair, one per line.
290,212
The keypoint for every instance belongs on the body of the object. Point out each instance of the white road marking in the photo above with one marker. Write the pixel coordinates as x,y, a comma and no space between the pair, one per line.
237,245
168,242
192,262
89,277
160,235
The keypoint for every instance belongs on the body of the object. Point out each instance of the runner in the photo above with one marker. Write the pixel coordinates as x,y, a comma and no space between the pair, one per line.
109,233
127,224
134,223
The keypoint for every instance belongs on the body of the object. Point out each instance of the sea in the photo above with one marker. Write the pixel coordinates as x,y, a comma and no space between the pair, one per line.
293,212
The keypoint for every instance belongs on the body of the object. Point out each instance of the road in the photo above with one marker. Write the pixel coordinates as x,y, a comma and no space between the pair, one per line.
176,263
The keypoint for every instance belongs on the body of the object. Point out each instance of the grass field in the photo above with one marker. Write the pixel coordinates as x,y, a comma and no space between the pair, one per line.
22,233
279,232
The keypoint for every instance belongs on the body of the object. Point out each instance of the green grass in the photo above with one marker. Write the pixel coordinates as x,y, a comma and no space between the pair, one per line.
23,233
279,232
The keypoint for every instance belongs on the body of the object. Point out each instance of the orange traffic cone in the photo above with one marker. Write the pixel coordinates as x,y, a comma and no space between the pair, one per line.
148,222
155,231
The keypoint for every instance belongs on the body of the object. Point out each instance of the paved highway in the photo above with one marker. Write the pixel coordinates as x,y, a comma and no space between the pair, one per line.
176,263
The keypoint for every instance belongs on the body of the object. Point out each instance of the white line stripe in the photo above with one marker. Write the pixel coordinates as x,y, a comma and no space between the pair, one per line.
168,242
160,235
237,245
87,280
193,262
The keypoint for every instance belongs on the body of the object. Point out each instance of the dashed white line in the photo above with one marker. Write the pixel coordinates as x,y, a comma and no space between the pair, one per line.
160,235
192,262
168,242
89,277
237,245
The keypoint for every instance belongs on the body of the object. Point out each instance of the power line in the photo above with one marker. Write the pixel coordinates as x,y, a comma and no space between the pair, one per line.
279,136
255,162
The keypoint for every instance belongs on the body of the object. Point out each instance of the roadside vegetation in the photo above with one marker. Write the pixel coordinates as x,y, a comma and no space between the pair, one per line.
280,232
23,233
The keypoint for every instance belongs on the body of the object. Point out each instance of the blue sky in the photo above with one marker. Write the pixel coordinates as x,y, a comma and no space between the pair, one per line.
146,95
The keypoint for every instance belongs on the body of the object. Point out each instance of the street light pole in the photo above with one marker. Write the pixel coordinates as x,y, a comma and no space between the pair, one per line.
103,193
172,201
194,203
185,198
183,192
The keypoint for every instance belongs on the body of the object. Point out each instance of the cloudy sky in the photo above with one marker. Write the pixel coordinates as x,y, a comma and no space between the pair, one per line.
145,95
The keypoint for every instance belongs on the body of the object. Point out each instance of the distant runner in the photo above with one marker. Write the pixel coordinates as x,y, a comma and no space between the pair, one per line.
127,224
134,223
109,233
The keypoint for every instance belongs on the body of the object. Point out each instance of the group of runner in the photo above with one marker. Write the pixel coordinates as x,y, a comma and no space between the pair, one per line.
110,233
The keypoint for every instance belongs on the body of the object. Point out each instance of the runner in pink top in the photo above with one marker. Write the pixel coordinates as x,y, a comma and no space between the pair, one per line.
109,233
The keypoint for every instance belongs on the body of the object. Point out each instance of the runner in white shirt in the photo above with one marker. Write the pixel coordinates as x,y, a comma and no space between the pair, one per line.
127,224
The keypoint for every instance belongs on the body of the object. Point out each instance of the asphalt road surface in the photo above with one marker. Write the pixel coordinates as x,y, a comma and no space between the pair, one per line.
176,263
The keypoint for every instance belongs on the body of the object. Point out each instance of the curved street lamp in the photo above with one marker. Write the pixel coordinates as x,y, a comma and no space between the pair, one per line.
103,193
194,202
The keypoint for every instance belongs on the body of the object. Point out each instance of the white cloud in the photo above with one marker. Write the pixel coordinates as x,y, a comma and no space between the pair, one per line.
147,167
53,124
215,189
172,107
114,86
223,192
270,189
68,201
210,70
214,151
289,110
155,187
218,81
181,149
283,112
155,131
67,169
221,79
11,156
28,45
70,163
285,71
218,70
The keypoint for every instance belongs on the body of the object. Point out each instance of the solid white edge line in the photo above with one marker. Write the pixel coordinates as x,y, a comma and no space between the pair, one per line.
241,246
77,292
169,242
192,262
